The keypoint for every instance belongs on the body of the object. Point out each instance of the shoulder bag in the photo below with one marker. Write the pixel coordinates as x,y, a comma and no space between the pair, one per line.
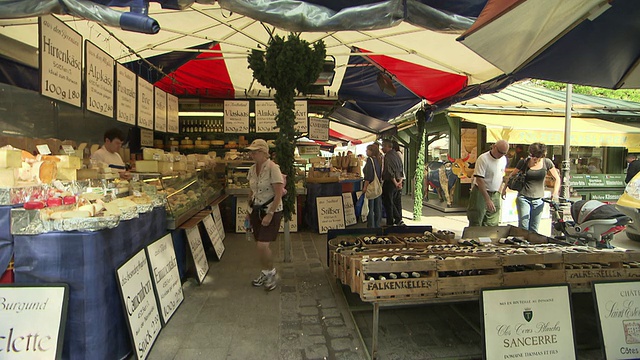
374,190
517,182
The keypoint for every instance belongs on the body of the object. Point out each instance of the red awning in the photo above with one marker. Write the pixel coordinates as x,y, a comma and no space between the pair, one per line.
430,84
336,135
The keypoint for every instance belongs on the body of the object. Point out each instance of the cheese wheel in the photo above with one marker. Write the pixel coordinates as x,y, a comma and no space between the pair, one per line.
28,157
44,171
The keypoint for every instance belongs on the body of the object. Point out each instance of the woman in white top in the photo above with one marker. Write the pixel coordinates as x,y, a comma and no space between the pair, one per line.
265,198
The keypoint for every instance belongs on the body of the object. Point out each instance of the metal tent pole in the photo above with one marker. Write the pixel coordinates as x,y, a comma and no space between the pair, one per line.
566,162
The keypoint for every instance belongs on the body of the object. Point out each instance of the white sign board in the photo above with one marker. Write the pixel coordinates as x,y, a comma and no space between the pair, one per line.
528,323
293,224
138,298
146,137
214,235
32,321
197,251
60,61
98,69
145,104
349,209
330,213
172,114
318,129
266,112
302,120
160,111
166,278
236,116
618,307
126,92
242,210
217,217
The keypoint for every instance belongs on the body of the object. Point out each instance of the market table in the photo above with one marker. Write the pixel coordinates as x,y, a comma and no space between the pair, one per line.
6,239
96,327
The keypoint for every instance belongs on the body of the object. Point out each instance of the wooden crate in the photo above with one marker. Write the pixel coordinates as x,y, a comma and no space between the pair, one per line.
467,283
581,269
418,245
395,243
529,273
631,264
397,289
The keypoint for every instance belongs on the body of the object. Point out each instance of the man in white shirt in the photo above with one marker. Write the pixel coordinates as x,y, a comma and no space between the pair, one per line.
488,178
108,153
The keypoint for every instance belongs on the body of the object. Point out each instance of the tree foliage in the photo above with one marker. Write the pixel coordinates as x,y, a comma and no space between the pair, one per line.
286,66
622,94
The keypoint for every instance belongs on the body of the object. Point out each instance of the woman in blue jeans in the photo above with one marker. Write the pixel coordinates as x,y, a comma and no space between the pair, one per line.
373,167
529,201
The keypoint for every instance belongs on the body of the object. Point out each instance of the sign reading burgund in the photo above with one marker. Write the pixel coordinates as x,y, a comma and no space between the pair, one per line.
32,321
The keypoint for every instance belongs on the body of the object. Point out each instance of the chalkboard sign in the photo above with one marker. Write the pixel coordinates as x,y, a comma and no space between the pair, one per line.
139,302
214,235
349,210
330,213
197,251
32,320
528,323
619,318
166,278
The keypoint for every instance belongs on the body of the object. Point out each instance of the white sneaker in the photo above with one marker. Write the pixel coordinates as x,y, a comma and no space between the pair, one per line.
271,282
259,281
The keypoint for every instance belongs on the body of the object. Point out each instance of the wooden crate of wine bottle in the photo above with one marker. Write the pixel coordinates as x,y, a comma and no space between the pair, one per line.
631,264
419,240
409,279
380,242
533,269
464,276
582,268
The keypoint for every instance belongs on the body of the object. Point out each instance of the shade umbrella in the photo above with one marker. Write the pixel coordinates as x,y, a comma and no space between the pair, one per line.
588,42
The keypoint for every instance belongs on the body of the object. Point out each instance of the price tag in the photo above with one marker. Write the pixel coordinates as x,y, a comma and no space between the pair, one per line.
156,157
68,149
43,149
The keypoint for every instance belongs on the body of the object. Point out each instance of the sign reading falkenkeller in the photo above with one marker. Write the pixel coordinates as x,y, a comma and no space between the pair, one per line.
197,251
32,320
160,117
145,104
302,121
166,278
139,301
60,61
126,92
318,129
214,235
266,112
98,69
618,307
172,114
236,116
528,323
330,213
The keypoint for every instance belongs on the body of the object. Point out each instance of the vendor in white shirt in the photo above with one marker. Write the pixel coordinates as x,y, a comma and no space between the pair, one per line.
108,153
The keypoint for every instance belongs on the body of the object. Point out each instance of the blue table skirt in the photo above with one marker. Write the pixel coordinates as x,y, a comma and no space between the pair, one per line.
96,325
6,239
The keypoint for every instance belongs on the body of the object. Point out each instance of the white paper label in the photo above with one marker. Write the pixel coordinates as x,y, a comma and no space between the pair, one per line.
141,309
160,110
302,125
99,79
266,112
242,210
197,251
68,149
330,213
60,61
318,129
126,92
293,224
43,149
618,306
146,137
145,104
349,210
236,116
172,114
217,217
214,235
164,268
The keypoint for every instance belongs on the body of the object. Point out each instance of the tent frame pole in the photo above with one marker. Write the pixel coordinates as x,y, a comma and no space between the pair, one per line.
566,161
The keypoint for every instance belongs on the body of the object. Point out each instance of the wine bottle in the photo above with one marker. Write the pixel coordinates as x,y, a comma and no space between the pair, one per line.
404,275
415,274
393,276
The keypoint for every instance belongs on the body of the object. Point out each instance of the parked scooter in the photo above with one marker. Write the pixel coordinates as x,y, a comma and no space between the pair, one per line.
591,222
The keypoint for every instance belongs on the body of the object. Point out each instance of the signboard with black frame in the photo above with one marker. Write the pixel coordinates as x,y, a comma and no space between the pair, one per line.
534,322
166,277
139,303
617,306
37,313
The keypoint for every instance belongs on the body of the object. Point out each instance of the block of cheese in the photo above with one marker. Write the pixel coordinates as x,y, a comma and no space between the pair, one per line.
180,166
7,177
67,174
165,167
44,171
146,166
69,162
10,158
84,174
152,154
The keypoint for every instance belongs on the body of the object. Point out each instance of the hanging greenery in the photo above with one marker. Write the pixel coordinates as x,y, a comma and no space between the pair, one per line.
419,191
286,66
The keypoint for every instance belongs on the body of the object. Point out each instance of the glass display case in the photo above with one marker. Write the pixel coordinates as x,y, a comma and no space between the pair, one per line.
187,193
